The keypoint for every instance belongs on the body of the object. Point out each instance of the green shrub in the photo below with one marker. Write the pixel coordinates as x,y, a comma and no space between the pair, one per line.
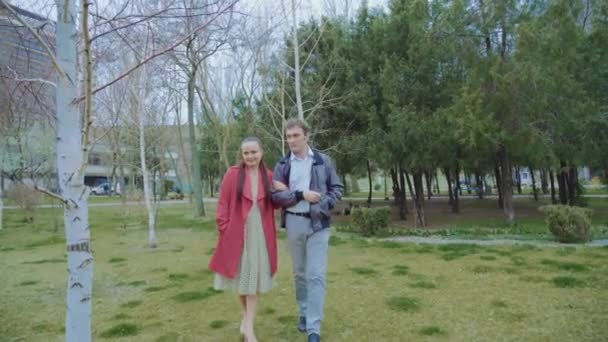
568,224
371,221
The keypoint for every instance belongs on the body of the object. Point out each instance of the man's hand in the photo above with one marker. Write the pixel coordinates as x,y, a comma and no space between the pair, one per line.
312,196
278,186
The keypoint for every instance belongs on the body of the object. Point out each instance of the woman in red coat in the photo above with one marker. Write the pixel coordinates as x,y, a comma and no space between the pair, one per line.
245,258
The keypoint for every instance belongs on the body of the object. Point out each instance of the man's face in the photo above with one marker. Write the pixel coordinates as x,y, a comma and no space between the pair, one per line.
296,139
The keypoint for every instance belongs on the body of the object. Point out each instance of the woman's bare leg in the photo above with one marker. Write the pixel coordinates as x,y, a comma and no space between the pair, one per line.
243,300
251,302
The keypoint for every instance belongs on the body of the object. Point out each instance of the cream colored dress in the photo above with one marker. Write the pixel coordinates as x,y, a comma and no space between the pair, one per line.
253,275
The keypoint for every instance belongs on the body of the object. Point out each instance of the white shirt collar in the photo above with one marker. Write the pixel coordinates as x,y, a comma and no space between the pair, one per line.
309,154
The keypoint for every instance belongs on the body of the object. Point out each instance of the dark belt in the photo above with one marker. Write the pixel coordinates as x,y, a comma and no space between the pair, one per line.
307,215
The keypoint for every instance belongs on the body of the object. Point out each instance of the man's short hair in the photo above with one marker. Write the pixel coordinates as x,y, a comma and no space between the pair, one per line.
295,123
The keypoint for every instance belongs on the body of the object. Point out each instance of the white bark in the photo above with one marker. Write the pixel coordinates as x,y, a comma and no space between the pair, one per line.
69,158
296,56
148,197
1,207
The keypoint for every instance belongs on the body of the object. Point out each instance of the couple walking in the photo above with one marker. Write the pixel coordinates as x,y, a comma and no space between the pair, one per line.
306,187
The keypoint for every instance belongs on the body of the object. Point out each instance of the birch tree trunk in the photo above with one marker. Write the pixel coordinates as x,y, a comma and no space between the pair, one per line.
148,196
1,206
506,174
70,155
296,54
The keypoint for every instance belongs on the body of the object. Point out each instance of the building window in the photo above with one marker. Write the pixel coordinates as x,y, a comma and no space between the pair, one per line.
94,159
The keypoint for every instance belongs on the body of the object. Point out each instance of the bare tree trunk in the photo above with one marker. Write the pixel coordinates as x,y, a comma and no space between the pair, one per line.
543,181
507,183
419,187
428,177
369,178
197,187
572,180
211,185
148,196
385,187
296,54
437,190
562,177
518,179
414,199
402,196
552,179
448,178
1,202
606,171
418,198
174,163
396,190
182,151
479,183
123,188
457,190
1,196
534,189
346,187
498,179
112,182
70,158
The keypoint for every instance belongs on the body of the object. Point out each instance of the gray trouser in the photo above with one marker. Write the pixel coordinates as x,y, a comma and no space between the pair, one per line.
309,258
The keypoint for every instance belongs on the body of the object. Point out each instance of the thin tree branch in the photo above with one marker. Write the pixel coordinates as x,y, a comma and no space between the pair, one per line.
88,75
162,52
31,80
38,38
54,195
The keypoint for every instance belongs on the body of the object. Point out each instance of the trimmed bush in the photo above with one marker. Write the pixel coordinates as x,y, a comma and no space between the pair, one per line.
371,221
568,224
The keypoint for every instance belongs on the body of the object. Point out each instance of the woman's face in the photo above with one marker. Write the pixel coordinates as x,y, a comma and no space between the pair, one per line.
251,153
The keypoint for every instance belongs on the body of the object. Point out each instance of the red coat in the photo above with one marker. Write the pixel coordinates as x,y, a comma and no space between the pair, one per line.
231,217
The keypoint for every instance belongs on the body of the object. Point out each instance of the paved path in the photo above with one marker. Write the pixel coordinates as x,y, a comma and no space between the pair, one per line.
467,197
118,203
403,239
214,200
493,242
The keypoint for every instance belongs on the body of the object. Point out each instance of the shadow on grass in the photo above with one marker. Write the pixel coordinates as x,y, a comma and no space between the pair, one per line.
131,304
121,330
46,261
400,270
403,304
567,282
218,324
195,295
433,330
366,271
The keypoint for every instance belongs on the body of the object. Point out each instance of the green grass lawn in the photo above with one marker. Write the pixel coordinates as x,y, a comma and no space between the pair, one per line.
376,291
600,190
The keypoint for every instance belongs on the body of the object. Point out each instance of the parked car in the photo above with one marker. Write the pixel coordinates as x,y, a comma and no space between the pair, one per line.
104,189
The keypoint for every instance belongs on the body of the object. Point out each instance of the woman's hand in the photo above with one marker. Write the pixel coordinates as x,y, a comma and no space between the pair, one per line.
278,186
